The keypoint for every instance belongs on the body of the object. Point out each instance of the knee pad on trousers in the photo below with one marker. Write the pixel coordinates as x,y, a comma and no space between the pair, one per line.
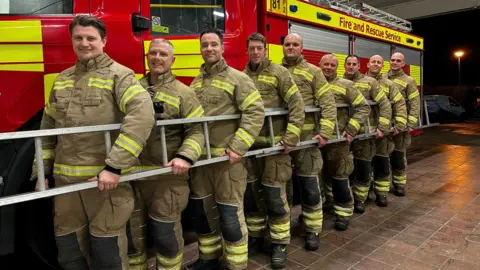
165,238
274,201
200,217
229,222
362,170
70,255
382,167
310,190
249,202
341,191
397,160
105,253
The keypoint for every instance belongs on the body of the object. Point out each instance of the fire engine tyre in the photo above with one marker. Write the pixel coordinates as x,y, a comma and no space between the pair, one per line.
32,221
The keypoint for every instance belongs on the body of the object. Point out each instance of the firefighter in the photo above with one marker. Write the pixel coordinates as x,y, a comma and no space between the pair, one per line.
409,91
96,91
385,145
379,122
308,162
278,89
337,156
164,197
218,189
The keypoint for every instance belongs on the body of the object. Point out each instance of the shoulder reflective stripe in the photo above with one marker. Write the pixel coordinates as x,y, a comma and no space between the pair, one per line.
172,263
308,127
358,100
198,112
268,79
128,94
68,170
265,139
384,120
50,111
224,85
60,85
339,89
247,138
354,123
307,75
249,100
401,120
290,92
413,95
362,85
328,123
322,90
385,89
413,119
129,145
161,96
101,83
379,96
400,82
195,145
215,151
293,129
397,97
196,85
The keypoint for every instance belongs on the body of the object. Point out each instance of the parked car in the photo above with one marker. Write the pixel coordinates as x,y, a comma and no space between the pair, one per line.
442,109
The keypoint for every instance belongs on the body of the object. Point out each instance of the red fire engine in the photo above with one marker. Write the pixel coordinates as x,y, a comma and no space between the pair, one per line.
35,46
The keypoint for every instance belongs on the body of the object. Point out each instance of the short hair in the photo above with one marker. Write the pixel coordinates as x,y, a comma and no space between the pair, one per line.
164,41
87,20
213,31
257,37
354,56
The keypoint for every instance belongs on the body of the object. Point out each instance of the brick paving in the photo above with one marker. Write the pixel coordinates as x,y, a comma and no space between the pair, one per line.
435,226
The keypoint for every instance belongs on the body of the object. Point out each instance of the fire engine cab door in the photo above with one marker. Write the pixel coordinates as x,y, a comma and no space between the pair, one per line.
318,42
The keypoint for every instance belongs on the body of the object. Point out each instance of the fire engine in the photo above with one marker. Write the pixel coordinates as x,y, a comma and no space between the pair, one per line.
35,47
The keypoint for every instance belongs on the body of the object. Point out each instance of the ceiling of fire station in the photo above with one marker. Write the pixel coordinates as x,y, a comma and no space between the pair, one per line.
415,9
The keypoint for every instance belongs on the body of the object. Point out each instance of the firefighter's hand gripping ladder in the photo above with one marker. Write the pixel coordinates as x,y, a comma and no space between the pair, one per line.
38,134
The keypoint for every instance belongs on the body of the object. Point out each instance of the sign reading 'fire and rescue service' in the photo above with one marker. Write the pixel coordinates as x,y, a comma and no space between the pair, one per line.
321,16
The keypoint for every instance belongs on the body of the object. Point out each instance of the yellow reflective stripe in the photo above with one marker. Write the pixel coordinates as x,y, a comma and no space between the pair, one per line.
307,75
169,262
413,95
50,111
268,79
413,119
210,249
137,259
282,227
46,154
265,139
128,94
223,85
362,85
308,126
293,129
402,83
129,145
291,91
328,123
206,241
245,136
385,89
255,228
161,96
313,223
238,250
214,151
343,209
249,100
379,96
314,215
137,169
195,145
354,123
255,220
339,89
196,85
322,90
68,170
397,97
397,179
236,259
60,85
384,120
359,99
401,120
198,112
101,83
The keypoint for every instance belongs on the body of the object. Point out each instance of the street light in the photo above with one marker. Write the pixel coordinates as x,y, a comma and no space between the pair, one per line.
459,55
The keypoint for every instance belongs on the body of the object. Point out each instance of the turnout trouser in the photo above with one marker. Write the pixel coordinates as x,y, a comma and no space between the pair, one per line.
363,152
398,159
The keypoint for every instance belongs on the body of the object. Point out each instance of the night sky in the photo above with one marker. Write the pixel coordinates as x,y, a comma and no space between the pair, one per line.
443,35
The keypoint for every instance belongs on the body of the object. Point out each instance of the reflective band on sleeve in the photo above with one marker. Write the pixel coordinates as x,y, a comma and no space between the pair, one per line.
46,154
397,97
322,90
129,145
342,91
384,120
293,129
354,123
195,145
400,82
78,171
198,112
358,100
50,111
379,96
245,136
384,89
196,85
128,94
401,120
328,123
161,96
291,91
413,95
413,119
249,100
223,85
